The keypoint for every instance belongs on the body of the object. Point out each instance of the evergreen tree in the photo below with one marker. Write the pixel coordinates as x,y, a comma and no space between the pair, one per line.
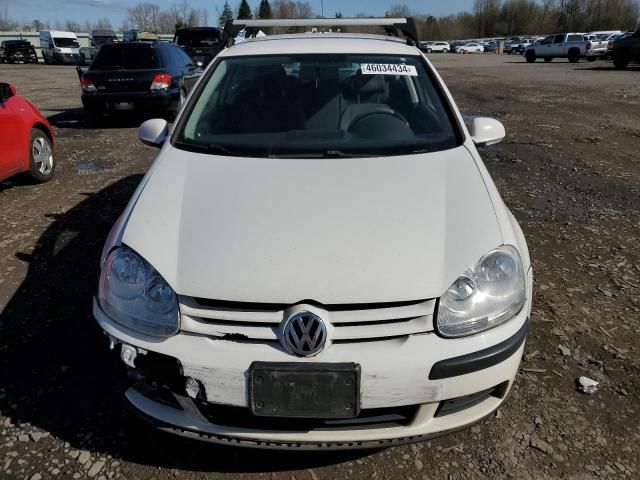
225,15
244,12
264,11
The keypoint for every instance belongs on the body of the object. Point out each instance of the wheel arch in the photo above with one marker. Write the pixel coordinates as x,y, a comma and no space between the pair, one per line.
46,129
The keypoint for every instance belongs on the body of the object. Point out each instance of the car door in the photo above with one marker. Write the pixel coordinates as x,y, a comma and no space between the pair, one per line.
635,46
11,138
559,47
545,47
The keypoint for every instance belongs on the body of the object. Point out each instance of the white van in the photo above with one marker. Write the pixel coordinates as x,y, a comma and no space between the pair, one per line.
59,47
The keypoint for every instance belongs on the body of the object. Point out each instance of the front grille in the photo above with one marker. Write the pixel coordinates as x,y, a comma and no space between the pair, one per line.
261,321
240,417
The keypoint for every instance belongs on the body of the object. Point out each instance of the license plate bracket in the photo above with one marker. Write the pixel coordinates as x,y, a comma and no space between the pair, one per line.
123,106
305,390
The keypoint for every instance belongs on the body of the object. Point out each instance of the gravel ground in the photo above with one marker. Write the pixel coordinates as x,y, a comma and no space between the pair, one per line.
570,172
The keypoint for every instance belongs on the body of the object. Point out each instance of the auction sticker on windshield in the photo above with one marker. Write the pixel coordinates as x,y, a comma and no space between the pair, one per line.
388,69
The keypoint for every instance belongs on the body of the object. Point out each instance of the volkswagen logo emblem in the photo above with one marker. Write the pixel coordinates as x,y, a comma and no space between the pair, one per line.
304,334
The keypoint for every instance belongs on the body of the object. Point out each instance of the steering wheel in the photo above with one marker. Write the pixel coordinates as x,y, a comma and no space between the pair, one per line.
390,113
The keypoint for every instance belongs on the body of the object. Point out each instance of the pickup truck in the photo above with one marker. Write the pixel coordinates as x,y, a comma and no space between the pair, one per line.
626,49
572,46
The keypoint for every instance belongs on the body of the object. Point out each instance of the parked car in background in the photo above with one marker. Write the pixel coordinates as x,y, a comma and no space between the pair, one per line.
511,44
437,47
59,47
26,138
138,77
202,44
16,51
490,48
470,48
572,46
423,46
97,38
137,36
522,46
391,309
626,49
609,53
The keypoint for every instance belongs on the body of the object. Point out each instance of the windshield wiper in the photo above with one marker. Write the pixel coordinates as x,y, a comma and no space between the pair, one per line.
214,148
322,154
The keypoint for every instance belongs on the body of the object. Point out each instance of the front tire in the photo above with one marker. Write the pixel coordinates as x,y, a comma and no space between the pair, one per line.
591,59
42,164
446,50
620,59
548,59
574,55
429,50
530,56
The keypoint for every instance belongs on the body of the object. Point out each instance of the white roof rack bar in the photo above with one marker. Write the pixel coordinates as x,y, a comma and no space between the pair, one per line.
321,22
393,26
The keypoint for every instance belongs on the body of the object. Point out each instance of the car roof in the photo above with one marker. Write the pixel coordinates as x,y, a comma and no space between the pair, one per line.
308,43
142,43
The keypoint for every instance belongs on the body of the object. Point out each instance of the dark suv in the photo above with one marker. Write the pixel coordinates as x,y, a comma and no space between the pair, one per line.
202,44
13,51
144,77
626,49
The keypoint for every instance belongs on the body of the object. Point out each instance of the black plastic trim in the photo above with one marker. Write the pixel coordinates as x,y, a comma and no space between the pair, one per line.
473,362
288,445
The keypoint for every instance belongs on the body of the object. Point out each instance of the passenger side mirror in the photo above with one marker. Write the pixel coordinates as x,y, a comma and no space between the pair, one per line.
153,132
6,91
486,131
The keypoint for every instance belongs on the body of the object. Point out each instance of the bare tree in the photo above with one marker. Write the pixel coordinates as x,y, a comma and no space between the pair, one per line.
145,17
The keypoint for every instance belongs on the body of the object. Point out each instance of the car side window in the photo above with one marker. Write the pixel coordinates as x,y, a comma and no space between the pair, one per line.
559,39
548,40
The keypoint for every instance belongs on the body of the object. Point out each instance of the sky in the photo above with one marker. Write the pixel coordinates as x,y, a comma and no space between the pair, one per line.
116,10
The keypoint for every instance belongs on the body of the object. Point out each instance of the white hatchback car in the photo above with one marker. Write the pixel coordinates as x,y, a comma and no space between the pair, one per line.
318,257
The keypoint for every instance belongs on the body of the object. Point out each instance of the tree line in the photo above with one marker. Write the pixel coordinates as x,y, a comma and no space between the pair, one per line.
488,18
493,18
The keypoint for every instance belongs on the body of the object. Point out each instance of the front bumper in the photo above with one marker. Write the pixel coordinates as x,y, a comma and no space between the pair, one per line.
67,58
447,385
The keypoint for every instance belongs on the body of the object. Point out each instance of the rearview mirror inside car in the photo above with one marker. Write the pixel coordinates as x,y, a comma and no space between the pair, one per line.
153,132
486,131
6,91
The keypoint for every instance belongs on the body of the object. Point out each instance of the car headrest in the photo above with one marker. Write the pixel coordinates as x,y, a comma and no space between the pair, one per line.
371,87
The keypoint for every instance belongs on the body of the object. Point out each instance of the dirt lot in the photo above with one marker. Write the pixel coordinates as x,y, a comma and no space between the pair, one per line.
570,172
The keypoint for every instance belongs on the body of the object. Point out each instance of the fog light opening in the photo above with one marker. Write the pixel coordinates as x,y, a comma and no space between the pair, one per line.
194,388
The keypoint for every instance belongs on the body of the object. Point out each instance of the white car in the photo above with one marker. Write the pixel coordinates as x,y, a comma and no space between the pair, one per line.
470,48
438,47
318,257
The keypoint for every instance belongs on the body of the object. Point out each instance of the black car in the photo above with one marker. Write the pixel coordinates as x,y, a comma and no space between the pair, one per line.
202,44
14,51
138,77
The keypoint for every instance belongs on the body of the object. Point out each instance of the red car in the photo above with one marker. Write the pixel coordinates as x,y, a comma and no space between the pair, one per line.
26,138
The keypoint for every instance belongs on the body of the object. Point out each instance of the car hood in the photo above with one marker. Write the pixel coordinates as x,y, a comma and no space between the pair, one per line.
349,230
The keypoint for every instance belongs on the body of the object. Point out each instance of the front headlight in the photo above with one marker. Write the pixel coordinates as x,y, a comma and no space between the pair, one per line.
484,296
135,295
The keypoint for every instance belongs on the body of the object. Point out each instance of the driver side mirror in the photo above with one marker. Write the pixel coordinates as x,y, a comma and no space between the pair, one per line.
487,131
153,132
6,91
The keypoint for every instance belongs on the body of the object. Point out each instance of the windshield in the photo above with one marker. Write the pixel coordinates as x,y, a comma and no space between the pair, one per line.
103,40
19,46
319,105
198,38
64,42
125,57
